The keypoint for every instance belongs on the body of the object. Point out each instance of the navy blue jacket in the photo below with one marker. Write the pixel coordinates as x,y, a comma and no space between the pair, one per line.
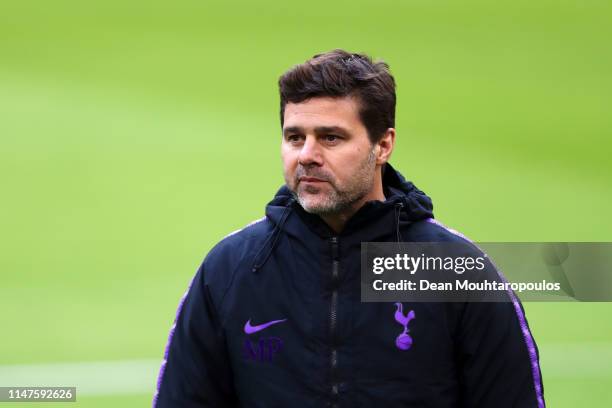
273,318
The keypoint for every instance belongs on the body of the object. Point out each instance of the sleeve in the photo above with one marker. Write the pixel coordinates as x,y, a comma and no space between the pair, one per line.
196,370
498,357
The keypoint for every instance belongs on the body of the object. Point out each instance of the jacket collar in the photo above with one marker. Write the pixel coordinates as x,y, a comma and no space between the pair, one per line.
414,205
374,221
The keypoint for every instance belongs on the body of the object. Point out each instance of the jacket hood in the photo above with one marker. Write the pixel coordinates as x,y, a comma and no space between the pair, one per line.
416,205
404,204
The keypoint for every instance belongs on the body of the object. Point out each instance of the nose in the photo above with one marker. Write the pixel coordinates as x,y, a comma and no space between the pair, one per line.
310,153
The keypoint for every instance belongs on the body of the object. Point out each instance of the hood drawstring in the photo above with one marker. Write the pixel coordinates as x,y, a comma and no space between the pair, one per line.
272,239
398,211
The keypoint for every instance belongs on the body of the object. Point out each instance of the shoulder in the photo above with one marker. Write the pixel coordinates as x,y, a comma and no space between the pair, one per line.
432,230
234,251
239,243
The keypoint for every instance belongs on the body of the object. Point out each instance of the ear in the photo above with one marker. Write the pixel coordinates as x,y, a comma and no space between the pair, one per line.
385,146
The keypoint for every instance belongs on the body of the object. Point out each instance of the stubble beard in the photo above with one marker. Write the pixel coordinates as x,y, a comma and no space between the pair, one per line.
337,199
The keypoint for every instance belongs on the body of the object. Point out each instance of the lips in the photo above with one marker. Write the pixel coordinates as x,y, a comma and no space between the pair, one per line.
311,180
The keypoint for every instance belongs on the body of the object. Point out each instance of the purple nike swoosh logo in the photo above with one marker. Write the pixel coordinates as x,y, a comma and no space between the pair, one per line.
248,329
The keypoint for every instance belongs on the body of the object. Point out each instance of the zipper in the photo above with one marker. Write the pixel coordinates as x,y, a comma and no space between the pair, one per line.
333,318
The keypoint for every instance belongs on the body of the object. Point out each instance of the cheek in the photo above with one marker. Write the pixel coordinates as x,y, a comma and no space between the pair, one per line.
348,163
290,160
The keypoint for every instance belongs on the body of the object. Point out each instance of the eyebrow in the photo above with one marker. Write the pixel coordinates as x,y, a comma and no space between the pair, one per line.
318,130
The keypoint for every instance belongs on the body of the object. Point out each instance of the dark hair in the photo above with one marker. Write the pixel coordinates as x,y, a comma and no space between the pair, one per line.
339,73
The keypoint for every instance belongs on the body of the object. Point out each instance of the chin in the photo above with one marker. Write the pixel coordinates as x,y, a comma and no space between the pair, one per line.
318,207
311,207
311,204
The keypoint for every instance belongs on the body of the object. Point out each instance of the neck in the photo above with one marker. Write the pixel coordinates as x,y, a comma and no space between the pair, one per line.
337,221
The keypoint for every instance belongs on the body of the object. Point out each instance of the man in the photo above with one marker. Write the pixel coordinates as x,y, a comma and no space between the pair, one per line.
273,317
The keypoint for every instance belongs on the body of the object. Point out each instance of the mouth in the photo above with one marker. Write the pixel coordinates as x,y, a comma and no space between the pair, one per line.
311,180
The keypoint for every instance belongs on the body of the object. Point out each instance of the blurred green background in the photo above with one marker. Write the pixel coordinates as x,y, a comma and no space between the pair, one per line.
136,134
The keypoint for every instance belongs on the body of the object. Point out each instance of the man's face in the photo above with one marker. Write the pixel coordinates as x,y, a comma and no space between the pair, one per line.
328,160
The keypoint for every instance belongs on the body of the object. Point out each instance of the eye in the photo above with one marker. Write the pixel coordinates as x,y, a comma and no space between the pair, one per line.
295,138
332,139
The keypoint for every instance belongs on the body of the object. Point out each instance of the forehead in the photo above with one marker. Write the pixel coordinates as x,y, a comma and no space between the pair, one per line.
323,111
